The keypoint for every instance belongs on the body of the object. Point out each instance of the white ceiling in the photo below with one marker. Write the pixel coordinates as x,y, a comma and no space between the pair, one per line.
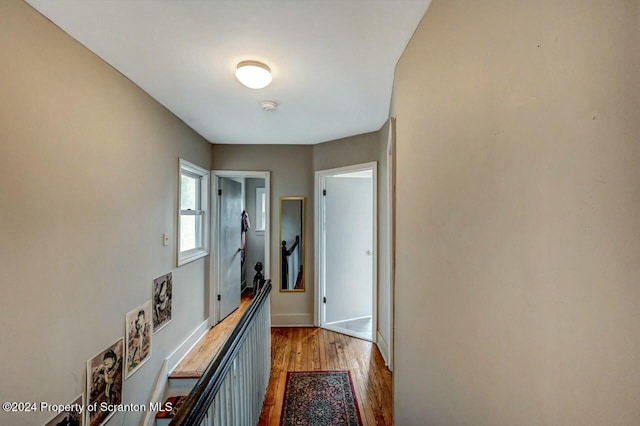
332,60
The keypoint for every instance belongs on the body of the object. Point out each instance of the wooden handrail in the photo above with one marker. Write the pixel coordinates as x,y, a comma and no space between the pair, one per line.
195,408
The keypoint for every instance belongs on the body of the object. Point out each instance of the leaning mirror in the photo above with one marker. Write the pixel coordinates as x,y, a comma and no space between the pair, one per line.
292,240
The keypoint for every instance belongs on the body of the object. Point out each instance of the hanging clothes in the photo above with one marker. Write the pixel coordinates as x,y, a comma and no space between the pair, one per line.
245,225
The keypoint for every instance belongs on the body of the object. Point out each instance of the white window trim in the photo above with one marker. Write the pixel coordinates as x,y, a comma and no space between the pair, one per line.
199,252
260,227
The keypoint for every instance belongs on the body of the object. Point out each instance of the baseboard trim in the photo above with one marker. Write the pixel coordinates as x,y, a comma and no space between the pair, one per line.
157,394
170,363
292,320
383,346
186,345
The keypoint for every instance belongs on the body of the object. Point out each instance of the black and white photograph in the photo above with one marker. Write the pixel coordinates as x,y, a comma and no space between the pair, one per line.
162,298
104,382
72,417
138,337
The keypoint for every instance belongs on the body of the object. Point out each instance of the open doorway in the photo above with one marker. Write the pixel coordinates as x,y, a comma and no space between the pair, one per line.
346,227
239,238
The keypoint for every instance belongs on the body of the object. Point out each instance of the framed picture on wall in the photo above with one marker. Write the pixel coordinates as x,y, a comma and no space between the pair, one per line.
138,337
104,383
71,417
162,300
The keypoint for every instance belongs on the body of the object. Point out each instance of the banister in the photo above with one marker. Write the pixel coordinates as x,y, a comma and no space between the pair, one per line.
195,407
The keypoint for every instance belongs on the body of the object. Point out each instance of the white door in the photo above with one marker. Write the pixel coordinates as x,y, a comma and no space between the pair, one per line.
230,246
349,253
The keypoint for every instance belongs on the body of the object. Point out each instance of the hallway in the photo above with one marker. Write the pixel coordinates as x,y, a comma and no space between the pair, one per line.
313,349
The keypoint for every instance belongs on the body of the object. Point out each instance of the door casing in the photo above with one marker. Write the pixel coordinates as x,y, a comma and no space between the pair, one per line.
320,176
391,214
214,269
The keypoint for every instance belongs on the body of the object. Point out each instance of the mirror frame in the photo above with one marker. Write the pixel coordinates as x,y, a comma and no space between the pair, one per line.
302,245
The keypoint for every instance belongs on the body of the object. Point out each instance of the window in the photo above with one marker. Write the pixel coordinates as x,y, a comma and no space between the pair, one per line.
193,222
261,209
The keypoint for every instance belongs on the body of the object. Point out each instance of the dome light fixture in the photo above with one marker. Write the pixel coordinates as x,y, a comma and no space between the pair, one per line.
253,74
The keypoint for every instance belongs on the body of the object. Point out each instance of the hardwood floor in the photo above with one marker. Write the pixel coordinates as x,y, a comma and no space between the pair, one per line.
194,364
305,349
308,349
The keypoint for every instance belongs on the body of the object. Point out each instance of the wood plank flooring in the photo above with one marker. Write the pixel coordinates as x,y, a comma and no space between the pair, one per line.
305,349
194,364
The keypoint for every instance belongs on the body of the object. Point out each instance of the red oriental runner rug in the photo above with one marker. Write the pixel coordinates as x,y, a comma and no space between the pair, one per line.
320,398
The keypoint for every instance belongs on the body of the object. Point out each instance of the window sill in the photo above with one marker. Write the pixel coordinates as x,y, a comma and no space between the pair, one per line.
191,255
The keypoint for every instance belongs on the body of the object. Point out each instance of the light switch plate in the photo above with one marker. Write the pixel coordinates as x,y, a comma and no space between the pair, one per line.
165,239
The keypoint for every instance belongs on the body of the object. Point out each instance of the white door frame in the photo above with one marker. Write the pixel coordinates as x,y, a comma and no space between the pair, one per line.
214,270
391,153
319,231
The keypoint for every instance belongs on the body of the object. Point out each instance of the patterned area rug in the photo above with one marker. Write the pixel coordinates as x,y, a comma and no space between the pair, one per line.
320,398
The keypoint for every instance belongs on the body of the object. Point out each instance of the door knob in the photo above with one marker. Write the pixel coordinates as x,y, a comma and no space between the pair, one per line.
369,252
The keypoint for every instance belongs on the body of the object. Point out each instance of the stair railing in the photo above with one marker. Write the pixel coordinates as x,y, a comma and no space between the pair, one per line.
232,389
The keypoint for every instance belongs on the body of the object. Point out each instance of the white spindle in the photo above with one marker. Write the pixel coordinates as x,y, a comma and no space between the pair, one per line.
240,398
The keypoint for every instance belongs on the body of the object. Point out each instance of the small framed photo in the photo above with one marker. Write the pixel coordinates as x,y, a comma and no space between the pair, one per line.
162,298
72,417
138,337
104,383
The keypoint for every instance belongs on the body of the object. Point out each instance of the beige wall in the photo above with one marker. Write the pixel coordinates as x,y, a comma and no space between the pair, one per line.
346,152
88,184
365,148
291,175
518,198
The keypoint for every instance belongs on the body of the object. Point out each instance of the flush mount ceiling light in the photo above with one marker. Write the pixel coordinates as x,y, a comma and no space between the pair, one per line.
253,74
